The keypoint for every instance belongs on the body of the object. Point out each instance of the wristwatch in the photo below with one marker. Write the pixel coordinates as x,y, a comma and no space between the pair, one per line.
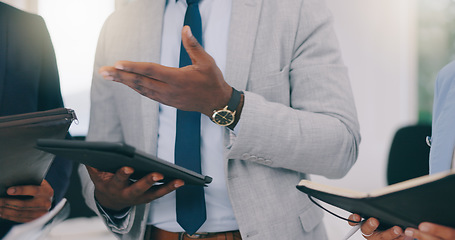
226,116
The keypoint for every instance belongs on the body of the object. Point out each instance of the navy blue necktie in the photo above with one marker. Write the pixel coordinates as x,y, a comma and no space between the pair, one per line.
190,203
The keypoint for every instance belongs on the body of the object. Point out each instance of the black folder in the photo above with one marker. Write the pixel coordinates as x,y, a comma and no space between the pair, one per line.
21,163
109,157
430,198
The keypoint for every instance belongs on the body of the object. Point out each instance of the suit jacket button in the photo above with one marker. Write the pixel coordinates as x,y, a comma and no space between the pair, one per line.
245,156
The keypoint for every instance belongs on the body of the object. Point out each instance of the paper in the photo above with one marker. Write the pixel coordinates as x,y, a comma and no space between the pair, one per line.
38,228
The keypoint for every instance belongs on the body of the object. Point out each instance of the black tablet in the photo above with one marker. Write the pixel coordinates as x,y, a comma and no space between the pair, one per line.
109,157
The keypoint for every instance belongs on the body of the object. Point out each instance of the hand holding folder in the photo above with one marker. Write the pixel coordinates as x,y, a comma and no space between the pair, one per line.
425,199
426,230
21,162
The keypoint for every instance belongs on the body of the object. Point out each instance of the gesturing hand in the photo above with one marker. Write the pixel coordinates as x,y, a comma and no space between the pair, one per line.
26,210
116,191
198,87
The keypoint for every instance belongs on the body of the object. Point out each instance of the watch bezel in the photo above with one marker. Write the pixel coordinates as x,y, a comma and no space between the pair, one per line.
231,108
218,112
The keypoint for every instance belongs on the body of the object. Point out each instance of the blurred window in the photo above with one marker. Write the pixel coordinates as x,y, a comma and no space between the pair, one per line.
436,43
74,26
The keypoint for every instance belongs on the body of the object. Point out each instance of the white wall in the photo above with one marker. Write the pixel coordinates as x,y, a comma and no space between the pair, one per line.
377,39
74,27
378,42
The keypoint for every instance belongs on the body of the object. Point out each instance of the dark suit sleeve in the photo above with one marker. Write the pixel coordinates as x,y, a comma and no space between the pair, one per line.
58,177
49,97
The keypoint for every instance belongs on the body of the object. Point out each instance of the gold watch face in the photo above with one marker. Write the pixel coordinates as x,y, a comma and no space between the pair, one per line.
223,117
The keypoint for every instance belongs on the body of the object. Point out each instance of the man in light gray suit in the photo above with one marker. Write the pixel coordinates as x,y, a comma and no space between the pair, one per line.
296,115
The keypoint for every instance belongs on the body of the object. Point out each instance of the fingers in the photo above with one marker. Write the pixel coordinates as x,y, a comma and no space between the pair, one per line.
195,51
416,234
145,190
143,78
21,215
23,190
354,217
164,189
122,176
430,231
391,233
146,74
153,71
143,185
118,181
116,191
437,230
369,226
25,210
36,204
95,174
368,229
43,190
41,197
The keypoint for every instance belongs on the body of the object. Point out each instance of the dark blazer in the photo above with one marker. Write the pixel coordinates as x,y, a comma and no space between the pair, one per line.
29,78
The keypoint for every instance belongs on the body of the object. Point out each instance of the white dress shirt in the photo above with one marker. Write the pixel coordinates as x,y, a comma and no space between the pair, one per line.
215,15
443,126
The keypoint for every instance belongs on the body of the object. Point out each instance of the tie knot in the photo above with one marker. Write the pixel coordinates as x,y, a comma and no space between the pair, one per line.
189,2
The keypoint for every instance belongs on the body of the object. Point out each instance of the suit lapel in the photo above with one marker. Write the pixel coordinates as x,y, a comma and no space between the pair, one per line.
242,34
152,38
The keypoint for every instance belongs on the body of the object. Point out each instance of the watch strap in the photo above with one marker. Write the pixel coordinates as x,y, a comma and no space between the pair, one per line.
234,101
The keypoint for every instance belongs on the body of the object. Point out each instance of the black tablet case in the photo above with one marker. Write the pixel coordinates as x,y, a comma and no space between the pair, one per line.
21,163
428,202
109,157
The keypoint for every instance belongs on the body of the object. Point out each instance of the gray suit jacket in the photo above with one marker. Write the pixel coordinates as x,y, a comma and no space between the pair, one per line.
298,118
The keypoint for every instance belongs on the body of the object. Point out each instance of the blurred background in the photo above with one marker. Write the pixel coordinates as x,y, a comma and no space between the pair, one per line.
393,49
